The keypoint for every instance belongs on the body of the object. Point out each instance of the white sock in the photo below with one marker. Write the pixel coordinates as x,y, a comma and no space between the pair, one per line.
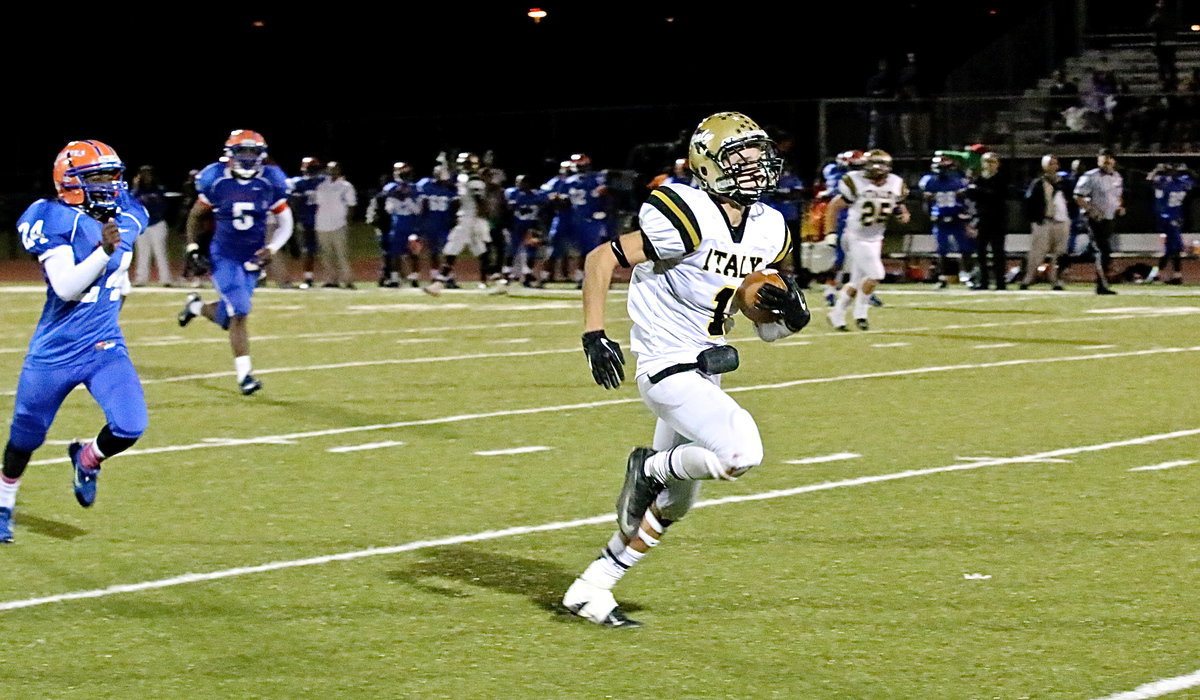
195,307
684,463
839,307
8,493
242,365
861,304
614,561
829,289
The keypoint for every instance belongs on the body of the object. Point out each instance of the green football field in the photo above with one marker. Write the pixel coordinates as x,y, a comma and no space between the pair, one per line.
988,495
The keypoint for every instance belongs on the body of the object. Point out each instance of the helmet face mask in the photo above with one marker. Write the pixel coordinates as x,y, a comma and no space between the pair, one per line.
310,167
732,157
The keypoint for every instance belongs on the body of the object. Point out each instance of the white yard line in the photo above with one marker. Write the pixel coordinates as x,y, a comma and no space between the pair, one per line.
889,345
1164,465
514,451
1096,347
993,346
837,457
564,525
1159,688
365,446
914,371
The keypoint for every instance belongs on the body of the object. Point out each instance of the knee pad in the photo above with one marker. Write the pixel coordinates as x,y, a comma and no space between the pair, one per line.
26,434
748,450
676,500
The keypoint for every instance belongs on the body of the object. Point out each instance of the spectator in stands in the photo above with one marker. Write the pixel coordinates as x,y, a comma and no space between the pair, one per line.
881,92
1049,217
152,244
1064,94
336,199
1100,194
989,190
914,119
1162,25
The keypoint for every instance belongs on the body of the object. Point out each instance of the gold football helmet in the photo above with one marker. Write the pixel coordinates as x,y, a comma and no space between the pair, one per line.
878,164
731,156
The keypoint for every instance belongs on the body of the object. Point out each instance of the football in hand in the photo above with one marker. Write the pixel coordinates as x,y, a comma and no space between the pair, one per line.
747,295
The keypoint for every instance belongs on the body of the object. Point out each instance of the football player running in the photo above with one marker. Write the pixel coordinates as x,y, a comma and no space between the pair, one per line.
240,190
84,241
872,196
693,248
471,230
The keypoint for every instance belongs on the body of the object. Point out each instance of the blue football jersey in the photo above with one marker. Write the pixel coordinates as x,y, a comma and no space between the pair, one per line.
832,174
1169,193
403,202
584,191
69,331
526,206
947,190
240,208
154,200
302,198
437,202
784,198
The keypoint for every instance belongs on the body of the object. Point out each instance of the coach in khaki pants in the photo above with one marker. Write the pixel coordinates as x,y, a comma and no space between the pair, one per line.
1047,207
335,198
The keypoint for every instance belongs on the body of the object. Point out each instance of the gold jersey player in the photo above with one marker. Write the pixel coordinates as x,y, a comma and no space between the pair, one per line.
691,253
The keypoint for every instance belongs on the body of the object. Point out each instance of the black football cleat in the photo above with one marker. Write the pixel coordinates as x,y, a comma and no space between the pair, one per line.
185,316
862,324
637,493
617,618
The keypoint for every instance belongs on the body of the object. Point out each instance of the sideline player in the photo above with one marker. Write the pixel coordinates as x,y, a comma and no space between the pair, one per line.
84,241
526,206
872,196
302,199
240,190
945,190
438,200
1171,184
693,249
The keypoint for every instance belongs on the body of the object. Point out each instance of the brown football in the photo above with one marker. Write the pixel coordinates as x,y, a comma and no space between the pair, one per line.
747,295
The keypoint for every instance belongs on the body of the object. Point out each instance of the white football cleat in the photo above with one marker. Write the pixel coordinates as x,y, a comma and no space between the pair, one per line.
434,288
595,604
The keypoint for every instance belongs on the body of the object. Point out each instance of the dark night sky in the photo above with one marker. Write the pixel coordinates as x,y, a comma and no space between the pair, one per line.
380,83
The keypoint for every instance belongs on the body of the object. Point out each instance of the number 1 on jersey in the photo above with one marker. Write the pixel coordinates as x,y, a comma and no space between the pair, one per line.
721,301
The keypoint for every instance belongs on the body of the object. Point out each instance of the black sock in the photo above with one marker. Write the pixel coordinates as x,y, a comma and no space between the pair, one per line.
110,445
15,461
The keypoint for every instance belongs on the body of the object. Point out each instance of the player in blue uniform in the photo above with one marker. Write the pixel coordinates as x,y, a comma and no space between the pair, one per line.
239,190
785,199
84,241
560,225
944,188
402,206
438,197
1171,185
527,209
587,192
680,174
302,199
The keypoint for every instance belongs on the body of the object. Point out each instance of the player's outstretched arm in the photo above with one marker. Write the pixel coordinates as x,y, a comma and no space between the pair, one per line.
836,205
604,354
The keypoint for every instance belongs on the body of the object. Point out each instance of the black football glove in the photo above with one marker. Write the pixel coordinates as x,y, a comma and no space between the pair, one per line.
195,261
605,358
788,303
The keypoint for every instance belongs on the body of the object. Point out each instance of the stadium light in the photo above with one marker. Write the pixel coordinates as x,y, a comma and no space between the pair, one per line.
537,14
1196,27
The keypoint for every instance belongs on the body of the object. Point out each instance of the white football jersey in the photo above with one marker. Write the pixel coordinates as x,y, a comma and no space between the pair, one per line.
470,190
680,298
870,204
